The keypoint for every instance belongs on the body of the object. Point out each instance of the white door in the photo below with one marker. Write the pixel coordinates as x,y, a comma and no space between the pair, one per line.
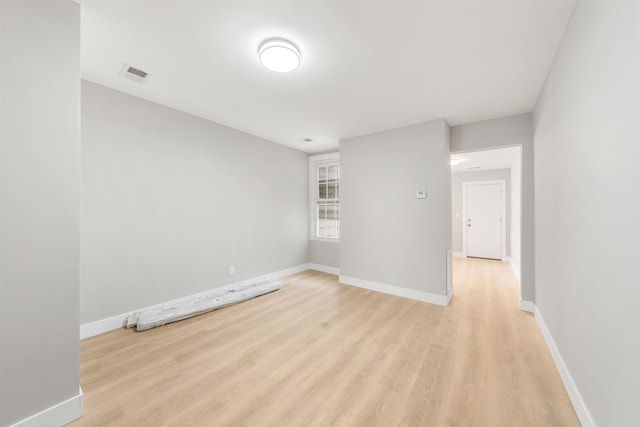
484,220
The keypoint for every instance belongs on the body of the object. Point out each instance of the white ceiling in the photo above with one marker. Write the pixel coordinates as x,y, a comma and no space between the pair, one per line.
500,158
366,66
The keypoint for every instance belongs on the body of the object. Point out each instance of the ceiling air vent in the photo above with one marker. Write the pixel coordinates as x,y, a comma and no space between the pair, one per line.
134,73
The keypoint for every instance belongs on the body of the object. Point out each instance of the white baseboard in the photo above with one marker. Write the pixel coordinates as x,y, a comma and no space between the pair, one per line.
118,321
458,254
442,300
281,273
527,306
576,398
449,296
324,269
58,415
516,270
101,326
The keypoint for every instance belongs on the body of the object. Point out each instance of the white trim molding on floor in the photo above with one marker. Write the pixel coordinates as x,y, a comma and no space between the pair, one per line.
324,268
58,415
528,306
576,398
449,296
442,300
118,321
516,270
458,254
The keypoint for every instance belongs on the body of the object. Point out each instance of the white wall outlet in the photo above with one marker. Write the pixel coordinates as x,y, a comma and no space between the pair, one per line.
232,269
421,194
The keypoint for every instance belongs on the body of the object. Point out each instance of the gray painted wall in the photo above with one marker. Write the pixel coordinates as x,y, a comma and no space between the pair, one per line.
39,205
324,253
516,215
170,200
587,207
389,236
504,132
456,202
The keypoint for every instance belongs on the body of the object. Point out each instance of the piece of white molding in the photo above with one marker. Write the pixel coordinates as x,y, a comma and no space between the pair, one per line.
459,255
118,321
215,299
103,325
576,398
324,269
280,273
58,415
516,270
449,295
528,306
442,300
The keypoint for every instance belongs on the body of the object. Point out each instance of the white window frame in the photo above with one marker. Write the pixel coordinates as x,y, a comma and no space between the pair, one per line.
314,163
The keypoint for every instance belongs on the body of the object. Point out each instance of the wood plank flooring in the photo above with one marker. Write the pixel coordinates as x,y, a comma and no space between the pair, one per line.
317,353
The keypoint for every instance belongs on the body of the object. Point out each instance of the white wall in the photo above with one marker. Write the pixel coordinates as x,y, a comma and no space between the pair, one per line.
506,132
389,236
324,253
457,179
170,200
516,216
39,208
587,208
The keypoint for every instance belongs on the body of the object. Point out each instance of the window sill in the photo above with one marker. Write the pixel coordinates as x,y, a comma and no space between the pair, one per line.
320,239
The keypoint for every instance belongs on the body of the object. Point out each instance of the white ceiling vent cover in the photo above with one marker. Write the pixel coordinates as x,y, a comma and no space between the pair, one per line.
133,73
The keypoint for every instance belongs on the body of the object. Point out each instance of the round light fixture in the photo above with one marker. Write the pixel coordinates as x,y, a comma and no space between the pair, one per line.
279,55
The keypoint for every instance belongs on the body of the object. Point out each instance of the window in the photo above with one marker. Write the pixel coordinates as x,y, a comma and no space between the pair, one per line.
324,192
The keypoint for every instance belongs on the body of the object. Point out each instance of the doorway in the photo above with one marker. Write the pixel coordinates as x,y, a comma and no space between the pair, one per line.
485,166
484,219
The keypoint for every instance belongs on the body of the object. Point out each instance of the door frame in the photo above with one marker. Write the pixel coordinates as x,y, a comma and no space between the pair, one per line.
503,213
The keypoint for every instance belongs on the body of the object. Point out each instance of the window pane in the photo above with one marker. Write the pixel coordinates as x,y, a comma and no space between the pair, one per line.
322,191
322,173
328,220
332,190
332,172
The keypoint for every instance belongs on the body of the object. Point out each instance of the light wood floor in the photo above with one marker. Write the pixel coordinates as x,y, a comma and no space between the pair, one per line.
317,353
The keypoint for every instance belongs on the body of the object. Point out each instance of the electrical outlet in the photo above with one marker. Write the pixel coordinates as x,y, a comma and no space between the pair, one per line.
232,269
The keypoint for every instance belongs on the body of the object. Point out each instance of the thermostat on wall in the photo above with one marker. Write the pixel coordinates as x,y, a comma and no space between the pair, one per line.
421,194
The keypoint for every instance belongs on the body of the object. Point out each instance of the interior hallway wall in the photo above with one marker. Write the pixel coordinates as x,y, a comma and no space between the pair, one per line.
388,235
39,208
170,201
587,208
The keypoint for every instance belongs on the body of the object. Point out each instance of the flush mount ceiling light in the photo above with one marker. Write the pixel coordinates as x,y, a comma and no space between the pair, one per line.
279,55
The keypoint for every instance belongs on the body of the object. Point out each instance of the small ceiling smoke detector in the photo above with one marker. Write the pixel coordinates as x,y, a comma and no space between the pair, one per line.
279,55
135,74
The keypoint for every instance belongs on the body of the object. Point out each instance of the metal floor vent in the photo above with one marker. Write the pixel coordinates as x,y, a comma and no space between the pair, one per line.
134,73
